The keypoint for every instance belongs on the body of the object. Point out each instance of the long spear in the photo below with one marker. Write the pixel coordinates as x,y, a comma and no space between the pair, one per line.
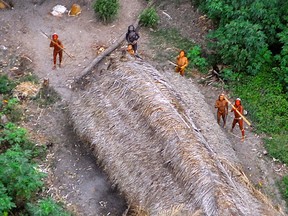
245,119
45,35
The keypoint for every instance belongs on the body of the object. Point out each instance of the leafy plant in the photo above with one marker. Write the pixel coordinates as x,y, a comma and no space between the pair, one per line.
11,109
106,9
13,135
149,17
46,207
5,200
195,59
6,85
242,45
228,75
19,175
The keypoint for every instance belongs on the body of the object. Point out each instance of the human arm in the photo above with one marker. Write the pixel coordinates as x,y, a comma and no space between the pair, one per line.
60,44
185,63
216,104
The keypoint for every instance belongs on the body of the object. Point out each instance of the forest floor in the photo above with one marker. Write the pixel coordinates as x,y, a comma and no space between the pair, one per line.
74,176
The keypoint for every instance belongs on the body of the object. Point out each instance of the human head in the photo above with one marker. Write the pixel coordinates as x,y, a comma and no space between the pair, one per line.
182,53
131,28
238,101
221,97
54,36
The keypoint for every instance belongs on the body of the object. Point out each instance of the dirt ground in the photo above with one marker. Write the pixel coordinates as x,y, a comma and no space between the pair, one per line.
74,176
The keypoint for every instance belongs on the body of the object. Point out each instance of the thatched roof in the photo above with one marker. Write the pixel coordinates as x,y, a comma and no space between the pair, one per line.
139,128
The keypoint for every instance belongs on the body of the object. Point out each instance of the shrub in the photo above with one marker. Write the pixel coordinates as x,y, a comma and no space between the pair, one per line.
242,45
12,110
46,207
229,75
19,175
5,200
12,135
6,85
106,9
149,17
195,59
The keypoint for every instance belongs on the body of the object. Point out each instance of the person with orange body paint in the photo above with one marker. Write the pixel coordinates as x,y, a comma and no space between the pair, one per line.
222,109
238,118
182,63
57,49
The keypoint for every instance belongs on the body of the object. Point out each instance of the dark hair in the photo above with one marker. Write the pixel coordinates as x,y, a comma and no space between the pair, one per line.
131,28
182,51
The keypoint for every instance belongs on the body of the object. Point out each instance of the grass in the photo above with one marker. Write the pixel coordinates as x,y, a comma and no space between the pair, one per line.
21,182
263,97
47,97
167,44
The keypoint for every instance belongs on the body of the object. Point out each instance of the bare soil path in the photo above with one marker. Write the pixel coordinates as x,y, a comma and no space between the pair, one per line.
74,176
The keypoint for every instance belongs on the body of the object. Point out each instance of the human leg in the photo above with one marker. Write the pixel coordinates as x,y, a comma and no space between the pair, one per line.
224,119
60,57
54,59
182,70
134,46
233,124
242,129
218,117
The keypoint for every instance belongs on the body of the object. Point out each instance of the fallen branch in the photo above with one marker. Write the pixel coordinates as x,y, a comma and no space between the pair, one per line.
88,70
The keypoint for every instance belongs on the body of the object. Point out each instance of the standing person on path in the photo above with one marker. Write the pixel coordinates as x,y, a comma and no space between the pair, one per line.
132,37
182,63
57,49
237,117
222,109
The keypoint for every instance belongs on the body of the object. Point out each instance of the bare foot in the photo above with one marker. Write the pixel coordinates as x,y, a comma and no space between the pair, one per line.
54,67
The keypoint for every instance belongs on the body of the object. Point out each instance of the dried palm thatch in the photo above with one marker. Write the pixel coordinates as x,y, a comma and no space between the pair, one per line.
137,127
26,90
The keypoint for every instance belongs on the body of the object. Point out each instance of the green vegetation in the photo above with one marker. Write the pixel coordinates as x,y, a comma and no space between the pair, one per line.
47,96
283,186
195,59
21,181
251,39
46,207
149,17
106,9
10,108
6,85
175,42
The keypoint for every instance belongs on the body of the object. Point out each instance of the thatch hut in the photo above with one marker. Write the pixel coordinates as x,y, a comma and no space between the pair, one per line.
142,131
